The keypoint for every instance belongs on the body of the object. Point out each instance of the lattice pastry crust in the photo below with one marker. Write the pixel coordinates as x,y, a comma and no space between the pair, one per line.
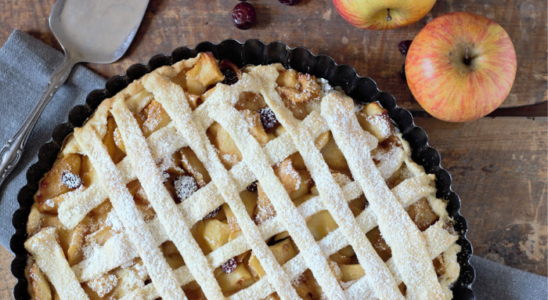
204,181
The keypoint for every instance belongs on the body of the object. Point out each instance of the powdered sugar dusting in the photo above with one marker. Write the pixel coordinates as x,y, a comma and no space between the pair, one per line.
49,203
325,86
231,120
113,221
381,123
226,186
103,285
168,163
49,256
141,270
346,285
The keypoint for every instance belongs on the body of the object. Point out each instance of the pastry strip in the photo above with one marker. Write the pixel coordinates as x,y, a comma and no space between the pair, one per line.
107,258
437,239
376,272
49,256
165,142
256,160
408,246
124,205
116,251
73,210
173,100
166,210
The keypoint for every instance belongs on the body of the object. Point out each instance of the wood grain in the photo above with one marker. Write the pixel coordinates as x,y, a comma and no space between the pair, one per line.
7,281
499,169
314,24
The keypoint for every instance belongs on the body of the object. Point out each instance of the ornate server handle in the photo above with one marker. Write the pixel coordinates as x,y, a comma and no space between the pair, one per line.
13,150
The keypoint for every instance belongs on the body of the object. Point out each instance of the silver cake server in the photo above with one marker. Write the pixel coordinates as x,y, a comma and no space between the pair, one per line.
95,31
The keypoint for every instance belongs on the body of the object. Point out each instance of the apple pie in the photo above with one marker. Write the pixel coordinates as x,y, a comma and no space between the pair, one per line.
202,180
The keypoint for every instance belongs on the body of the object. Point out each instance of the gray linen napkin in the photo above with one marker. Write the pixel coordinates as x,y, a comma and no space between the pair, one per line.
25,66
499,282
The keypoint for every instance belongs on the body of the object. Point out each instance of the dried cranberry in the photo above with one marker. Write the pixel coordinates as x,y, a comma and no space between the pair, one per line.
289,2
230,76
212,213
230,71
185,186
403,46
252,187
70,180
243,15
268,118
229,266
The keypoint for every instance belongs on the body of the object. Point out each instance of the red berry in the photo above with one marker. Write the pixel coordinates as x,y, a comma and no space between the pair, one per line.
268,118
230,76
289,2
212,213
403,46
229,266
243,15
230,71
252,187
72,181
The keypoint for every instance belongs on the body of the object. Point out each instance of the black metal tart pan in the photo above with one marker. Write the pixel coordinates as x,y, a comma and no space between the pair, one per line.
255,52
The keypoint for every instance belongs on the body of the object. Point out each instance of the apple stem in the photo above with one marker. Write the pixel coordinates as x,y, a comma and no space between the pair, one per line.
388,17
467,56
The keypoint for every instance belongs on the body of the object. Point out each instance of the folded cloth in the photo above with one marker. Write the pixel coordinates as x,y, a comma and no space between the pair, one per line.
496,281
25,66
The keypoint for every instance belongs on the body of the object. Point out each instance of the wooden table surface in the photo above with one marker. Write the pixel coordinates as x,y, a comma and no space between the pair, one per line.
498,164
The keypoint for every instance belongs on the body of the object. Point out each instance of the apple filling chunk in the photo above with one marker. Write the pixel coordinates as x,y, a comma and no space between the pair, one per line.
211,234
237,279
228,152
194,166
374,119
321,224
155,118
297,90
380,245
205,73
282,251
421,213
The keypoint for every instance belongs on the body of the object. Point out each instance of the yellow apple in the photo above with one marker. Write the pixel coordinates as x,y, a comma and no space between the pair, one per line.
383,14
461,66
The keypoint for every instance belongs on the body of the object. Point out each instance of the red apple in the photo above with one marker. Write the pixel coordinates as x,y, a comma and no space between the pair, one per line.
383,14
461,66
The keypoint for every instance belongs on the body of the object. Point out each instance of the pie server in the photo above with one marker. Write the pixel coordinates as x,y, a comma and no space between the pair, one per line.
94,31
